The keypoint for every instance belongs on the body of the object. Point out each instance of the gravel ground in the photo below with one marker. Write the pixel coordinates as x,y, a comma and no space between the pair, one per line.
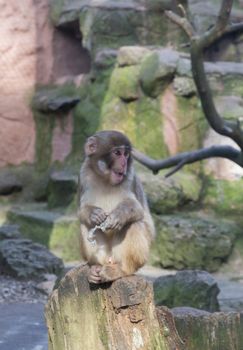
13,290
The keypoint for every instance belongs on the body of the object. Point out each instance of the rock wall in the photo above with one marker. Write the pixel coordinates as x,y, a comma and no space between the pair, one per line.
32,52
154,99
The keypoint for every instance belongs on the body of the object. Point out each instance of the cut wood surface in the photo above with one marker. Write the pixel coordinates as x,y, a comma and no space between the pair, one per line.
119,315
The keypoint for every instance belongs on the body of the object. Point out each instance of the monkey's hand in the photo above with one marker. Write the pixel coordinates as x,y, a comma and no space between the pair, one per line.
126,212
97,216
113,221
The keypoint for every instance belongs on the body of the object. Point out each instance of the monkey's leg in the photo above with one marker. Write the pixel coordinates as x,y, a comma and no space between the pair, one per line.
130,250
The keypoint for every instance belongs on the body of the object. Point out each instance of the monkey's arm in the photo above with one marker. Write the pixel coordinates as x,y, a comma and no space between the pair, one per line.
126,212
130,209
89,215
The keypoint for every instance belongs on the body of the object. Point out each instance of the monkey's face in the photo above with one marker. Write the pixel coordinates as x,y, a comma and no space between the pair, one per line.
119,157
109,154
114,166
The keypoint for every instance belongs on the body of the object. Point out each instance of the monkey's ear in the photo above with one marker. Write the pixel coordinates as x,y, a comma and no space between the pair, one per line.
90,146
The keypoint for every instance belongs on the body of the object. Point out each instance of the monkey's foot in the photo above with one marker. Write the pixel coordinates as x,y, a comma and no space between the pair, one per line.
110,272
94,274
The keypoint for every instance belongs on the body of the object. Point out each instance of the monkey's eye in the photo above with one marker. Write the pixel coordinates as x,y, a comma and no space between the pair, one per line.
117,152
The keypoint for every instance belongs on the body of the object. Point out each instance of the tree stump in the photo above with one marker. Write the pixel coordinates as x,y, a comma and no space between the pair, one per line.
119,315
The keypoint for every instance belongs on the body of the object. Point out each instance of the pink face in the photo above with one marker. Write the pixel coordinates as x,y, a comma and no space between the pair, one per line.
119,156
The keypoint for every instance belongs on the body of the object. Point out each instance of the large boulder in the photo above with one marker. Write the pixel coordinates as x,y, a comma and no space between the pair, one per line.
157,71
56,230
24,259
187,288
54,100
9,182
124,83
165,195
9,232
131,55
186,241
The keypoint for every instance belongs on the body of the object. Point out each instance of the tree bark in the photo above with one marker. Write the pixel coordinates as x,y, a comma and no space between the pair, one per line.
115,316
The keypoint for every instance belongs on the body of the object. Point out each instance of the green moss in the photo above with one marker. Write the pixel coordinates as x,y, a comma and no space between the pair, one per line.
57,231
44,129
62,189
114,25
158,342
140,120
124,83
118,115
233,85
155,74
167,195
101,315
186,241
32,226
45,124
56,10
111,28
87,113
190,184
64,239
210,331
67,89
224,197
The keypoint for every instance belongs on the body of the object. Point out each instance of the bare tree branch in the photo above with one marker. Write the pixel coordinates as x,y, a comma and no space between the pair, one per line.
234,27
230,129
198,44
182,22
181,159
206,39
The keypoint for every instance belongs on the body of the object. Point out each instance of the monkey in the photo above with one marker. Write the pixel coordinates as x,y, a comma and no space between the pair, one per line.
112,203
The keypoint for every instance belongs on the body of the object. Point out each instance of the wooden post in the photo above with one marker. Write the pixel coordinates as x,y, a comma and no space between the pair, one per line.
113,316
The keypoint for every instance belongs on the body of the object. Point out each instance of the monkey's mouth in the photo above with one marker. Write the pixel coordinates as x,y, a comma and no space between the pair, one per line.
117,176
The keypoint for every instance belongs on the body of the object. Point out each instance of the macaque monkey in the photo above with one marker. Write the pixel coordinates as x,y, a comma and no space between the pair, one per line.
113,205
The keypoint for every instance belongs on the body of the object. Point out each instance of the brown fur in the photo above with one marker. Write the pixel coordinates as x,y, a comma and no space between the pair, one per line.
123,249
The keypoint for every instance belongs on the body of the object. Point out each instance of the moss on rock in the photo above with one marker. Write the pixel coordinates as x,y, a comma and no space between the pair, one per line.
166,195
140,120
224,197
118,23
124,83
157,70
64,239
57,231
45,120
109,26
193,288
185,241
86,115
131,55
202,330
62,189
